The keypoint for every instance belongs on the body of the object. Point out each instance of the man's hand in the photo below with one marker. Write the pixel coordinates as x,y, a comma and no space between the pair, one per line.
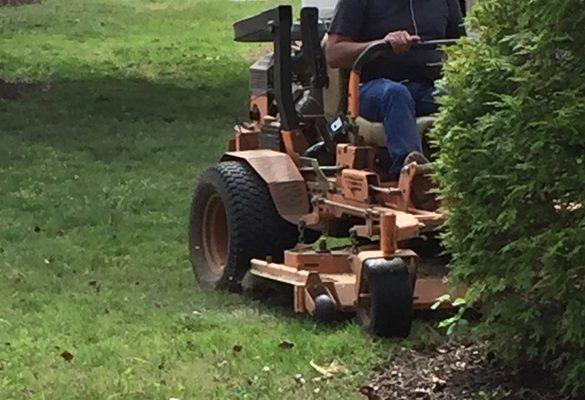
401,41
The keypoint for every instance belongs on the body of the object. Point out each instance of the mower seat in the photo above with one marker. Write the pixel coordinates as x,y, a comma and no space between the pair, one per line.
373,132
335,103
335,93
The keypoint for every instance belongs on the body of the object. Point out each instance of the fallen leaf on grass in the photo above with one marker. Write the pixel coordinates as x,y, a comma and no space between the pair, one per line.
67,356
299,379
286,345
95,285
333,368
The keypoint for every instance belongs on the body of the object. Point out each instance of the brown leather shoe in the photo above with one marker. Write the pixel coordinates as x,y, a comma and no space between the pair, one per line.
422,183
416,156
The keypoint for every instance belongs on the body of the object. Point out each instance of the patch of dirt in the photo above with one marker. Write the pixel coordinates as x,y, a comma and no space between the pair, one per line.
15,90
17,2
457,371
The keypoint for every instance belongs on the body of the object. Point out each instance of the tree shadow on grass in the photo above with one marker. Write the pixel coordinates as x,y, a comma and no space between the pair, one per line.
106,116
15,3
114,101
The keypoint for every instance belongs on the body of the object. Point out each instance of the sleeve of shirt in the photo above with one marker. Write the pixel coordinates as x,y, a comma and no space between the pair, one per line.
455,28
348,19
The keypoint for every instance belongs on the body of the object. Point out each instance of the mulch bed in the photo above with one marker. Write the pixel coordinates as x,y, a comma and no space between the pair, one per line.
457,371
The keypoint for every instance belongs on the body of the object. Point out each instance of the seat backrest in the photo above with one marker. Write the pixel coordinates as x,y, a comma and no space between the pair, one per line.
335,94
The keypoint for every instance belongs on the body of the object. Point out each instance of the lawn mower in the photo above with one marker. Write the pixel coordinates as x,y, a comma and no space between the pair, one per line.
308,166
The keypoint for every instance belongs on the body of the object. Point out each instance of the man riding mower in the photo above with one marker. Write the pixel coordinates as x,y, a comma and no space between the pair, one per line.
399,87
314,161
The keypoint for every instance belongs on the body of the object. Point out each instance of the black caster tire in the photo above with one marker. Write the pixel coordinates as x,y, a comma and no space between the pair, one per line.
390,311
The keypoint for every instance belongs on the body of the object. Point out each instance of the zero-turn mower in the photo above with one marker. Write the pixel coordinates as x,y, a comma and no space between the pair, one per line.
308,165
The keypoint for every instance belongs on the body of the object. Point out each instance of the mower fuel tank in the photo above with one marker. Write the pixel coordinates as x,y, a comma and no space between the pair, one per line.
261,75
270,137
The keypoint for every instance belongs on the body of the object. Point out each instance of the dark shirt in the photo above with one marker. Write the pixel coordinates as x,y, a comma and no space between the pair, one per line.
368,20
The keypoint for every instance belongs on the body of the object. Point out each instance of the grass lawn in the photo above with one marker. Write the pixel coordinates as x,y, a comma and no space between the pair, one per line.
97,167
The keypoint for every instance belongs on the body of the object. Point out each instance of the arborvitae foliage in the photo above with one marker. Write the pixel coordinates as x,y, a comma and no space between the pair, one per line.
511,166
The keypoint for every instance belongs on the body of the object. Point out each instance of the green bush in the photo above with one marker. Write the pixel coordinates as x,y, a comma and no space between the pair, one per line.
511,166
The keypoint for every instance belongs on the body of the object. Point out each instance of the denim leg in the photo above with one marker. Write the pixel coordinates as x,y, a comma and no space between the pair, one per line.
424,97
391,102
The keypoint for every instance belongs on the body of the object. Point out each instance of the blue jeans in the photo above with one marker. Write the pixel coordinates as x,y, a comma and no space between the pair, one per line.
397,105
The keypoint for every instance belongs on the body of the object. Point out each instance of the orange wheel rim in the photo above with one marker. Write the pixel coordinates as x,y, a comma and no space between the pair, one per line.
215,235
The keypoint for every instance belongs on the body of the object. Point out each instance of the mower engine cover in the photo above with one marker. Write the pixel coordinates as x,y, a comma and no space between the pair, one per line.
326,7
262,75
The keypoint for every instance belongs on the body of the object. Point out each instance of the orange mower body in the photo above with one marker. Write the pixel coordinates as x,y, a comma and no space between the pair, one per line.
307,166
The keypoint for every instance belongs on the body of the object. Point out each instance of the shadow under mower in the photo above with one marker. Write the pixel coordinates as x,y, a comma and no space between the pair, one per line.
305,165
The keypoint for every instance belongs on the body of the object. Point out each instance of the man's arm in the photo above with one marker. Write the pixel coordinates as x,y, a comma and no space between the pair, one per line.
341,51
343,45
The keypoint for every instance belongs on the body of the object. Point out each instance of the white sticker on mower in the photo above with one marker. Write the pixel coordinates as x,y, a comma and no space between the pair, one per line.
336,125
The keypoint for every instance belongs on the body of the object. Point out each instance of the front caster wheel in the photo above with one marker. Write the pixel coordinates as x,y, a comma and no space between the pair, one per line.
390,312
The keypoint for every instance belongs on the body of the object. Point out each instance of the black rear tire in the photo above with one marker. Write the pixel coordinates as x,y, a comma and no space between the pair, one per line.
390,312
253,227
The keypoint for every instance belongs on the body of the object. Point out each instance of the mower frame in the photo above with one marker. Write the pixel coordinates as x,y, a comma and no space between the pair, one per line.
348,197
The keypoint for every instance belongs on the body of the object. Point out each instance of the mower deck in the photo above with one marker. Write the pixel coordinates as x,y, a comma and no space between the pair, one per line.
335,273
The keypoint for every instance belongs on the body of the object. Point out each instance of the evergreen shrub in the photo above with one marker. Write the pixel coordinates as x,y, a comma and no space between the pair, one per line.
511,167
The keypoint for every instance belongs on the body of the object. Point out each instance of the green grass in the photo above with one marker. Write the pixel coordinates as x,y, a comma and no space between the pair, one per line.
96,174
